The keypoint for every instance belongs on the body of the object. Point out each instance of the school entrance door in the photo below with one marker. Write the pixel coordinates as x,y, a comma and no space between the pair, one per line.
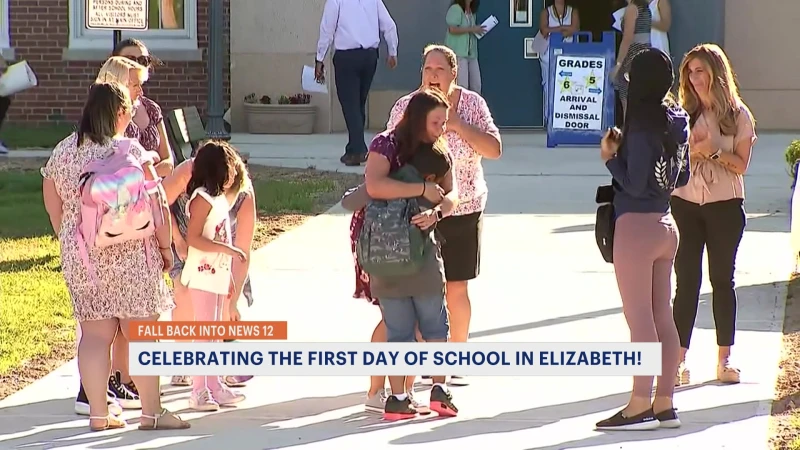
512,84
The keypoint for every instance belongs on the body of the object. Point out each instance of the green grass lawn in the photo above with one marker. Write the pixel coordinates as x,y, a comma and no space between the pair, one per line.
20,136
36,310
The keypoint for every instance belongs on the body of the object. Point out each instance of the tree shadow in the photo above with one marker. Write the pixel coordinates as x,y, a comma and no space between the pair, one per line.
23,265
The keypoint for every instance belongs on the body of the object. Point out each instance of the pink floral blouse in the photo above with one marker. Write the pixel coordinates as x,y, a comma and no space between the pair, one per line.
472,189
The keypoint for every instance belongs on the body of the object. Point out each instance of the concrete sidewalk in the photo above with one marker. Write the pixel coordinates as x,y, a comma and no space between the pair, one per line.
542,280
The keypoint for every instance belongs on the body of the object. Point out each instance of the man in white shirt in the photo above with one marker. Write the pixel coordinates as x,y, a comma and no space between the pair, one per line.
354,27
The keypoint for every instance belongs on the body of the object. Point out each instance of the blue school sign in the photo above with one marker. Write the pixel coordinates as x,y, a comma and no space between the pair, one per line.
580,101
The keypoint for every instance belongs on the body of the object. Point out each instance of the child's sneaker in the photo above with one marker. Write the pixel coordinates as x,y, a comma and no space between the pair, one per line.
226,396
397,409
235,381
203,401
442,402
422,409
376,403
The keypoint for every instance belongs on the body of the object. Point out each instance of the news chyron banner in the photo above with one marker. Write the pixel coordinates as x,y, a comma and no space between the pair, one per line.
260,349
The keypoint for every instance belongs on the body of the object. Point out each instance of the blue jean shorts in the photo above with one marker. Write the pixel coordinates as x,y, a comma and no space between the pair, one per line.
402,314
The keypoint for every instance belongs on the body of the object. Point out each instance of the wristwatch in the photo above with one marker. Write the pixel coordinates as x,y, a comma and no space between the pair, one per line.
439,214
716,154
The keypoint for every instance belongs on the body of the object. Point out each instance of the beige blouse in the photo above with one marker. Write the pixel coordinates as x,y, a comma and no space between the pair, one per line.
710,181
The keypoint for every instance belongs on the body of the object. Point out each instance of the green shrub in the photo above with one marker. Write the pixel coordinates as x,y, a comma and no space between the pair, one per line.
792,156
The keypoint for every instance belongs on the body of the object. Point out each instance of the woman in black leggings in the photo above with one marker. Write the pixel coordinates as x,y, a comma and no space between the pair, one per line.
709,211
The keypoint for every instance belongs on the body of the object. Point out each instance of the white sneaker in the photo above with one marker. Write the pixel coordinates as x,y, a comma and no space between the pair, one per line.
82,408
203,401
3,150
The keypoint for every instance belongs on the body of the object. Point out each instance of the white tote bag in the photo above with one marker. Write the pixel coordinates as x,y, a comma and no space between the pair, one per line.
18,77
210,272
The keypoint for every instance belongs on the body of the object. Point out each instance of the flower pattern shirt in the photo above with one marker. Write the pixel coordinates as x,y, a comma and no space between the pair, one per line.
149,136
473,110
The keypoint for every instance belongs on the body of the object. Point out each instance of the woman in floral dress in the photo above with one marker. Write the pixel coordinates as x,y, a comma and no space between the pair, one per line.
129,285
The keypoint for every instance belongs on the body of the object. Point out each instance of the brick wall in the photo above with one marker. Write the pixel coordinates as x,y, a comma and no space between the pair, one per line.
39,32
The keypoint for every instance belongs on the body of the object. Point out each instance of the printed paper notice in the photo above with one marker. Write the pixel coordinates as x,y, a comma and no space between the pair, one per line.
578,93
488,24
309,83
116,14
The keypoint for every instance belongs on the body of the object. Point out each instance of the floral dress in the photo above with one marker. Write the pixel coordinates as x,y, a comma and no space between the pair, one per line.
129,285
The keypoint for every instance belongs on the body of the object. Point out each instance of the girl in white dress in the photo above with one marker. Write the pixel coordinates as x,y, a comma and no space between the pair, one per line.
661,11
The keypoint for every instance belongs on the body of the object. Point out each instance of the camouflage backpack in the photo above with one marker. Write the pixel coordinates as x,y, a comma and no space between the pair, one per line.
389,245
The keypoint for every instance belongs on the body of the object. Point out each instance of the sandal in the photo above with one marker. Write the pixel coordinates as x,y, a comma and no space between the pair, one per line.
165,420
683,376
728,374
112,422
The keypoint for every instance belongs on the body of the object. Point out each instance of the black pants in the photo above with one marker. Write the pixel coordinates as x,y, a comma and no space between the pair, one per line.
719,227
5,103
354,70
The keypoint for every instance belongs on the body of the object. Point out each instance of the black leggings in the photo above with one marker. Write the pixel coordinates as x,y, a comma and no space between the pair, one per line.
719,227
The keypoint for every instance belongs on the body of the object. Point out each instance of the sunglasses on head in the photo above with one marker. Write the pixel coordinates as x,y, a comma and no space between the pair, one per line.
146,61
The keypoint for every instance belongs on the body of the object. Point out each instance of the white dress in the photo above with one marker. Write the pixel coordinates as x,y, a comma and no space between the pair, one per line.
544,58
658,39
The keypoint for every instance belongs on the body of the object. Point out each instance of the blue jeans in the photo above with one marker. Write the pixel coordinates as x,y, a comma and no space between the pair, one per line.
402,314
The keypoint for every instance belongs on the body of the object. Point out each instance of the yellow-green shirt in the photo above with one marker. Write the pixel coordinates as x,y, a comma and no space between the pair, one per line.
464,45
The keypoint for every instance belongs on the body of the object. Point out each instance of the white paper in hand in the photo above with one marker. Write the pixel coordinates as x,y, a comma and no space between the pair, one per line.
618,15
309,82
488,24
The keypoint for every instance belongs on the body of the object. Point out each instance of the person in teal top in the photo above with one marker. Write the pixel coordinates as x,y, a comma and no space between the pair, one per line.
462,38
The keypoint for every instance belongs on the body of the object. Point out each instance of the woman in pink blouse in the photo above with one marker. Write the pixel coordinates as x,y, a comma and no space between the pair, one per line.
471,136
709,211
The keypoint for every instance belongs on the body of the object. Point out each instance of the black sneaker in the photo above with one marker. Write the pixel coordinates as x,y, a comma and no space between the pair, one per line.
82,404
640,422
123,396
442,402
668,418
396,409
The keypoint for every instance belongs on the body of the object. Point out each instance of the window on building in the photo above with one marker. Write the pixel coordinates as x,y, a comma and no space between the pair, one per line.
172,26
521,13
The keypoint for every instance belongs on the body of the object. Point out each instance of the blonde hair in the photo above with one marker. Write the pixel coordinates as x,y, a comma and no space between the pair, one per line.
726,103
118,69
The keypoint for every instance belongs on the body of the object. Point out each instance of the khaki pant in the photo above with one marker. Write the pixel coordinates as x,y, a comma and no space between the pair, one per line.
469,74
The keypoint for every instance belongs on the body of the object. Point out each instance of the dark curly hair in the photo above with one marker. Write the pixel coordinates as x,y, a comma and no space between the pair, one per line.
214,164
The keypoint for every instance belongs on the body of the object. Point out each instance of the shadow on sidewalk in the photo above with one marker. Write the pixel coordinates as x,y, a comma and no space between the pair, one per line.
546,323
44,427
755,309
694,421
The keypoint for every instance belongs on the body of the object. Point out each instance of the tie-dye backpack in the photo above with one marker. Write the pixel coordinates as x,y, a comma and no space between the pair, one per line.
117,203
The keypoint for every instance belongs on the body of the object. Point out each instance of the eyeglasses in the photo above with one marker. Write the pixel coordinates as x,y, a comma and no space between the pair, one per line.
146,61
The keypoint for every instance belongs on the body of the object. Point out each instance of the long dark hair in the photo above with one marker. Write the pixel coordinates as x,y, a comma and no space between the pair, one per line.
649,97
410,131
473,6
213,165
100,113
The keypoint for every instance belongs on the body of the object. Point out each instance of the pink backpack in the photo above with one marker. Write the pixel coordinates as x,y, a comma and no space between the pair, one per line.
118,203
